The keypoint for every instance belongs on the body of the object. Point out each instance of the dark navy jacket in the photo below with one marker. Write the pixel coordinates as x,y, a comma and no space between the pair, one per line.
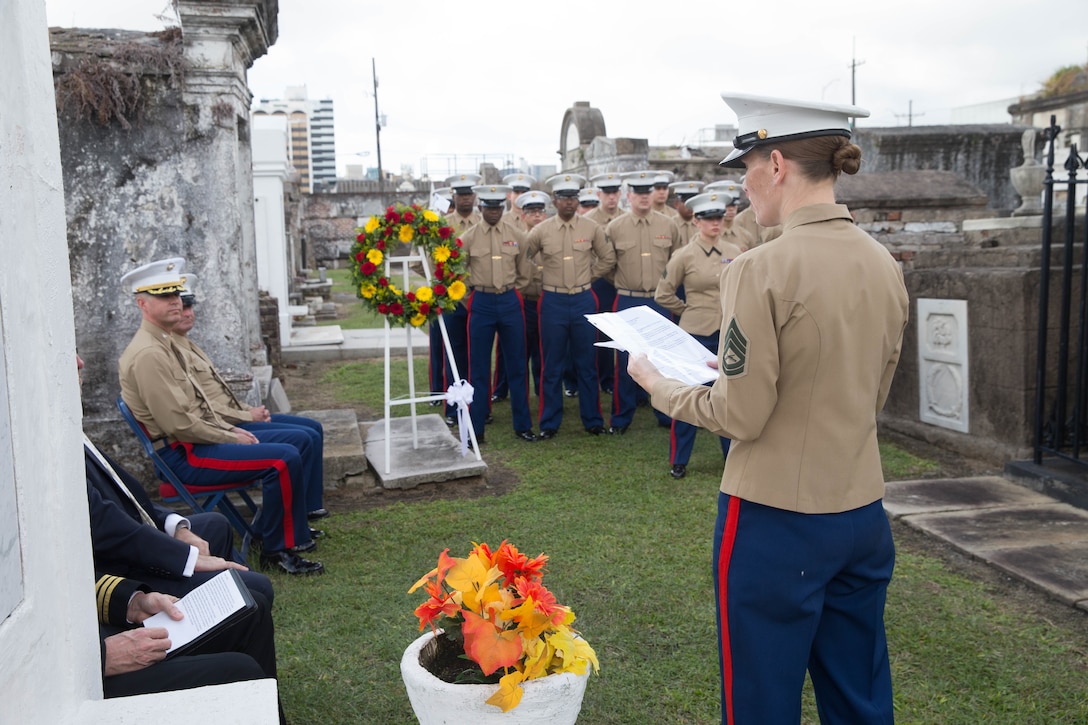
122,543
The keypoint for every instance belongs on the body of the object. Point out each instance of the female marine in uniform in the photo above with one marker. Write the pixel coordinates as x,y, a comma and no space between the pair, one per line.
698,268
811,333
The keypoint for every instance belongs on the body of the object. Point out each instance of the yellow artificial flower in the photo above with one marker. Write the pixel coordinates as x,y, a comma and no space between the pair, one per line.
374,256
430,215
393,288
418,320
424,294
371,224
406,233
441,253
367,290
457,290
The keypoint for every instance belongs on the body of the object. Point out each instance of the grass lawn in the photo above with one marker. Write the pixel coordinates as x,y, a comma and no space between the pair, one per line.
630,553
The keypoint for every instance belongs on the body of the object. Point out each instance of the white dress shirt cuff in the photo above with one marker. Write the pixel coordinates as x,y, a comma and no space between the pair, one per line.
172,523
190,565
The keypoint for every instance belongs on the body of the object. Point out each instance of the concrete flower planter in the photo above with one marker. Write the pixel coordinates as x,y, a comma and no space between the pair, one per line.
551,700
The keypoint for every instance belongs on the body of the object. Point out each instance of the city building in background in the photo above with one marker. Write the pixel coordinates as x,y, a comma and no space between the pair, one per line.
312,142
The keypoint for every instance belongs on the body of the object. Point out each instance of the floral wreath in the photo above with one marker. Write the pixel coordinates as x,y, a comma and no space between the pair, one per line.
403,225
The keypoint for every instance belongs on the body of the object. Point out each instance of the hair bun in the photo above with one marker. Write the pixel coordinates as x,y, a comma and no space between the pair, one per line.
847,158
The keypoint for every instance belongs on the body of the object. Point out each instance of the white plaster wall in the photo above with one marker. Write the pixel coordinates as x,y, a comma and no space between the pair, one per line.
270,170
50,668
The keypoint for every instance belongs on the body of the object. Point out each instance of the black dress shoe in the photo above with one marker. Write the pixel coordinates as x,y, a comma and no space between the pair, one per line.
547,434
497,398
303,548
526,435
489,419
316,533
678,471
436,403
595,430
617,430
450,420
290,563
570,393
317,514
606,390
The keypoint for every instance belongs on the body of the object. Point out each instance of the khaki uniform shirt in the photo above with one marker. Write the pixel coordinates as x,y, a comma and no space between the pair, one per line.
643,246
602,217
513,217
745,229
688,230
222,398
813,326
160,390
668,211
495,257
699,267
461,224
572,254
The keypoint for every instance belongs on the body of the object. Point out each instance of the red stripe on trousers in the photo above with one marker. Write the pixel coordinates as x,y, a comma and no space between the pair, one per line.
286,491
725,553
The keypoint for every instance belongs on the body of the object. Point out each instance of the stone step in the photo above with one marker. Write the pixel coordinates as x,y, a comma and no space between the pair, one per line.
437,457
345,457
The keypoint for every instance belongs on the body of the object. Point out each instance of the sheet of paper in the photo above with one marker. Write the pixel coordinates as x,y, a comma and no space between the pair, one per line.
204,607
642,330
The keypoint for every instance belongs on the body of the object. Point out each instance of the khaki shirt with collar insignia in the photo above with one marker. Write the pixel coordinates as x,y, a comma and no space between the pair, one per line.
602,217
461,224
495,257
812,331
222,399
573,253
698,266
668,211
161,392
643,247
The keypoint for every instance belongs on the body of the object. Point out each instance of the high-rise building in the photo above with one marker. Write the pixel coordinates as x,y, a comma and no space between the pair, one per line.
312,142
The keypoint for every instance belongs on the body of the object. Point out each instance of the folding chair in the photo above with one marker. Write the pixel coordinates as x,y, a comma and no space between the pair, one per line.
200,499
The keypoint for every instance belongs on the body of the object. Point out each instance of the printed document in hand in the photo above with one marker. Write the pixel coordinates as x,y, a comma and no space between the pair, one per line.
217,603
673,351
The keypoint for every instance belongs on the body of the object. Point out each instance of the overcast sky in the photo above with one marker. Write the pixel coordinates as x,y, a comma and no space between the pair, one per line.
496,77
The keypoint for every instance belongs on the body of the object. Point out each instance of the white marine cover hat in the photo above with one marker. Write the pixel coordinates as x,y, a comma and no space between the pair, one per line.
709,205
610,181
685,189
519,182
566,184
492,195
762,120
161,277
463,183
532,200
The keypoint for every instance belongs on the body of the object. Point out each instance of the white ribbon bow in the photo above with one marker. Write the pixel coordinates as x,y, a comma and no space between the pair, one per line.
460,394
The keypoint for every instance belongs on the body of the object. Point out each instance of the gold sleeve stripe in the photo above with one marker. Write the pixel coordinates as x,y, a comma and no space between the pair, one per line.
104,591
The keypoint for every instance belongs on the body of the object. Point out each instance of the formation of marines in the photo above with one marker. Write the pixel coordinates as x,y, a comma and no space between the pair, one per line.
534,277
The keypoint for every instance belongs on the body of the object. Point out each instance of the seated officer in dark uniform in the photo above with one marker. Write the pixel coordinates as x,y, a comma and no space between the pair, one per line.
134,657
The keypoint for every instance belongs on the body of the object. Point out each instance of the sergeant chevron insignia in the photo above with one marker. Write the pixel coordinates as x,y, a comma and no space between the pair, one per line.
734,361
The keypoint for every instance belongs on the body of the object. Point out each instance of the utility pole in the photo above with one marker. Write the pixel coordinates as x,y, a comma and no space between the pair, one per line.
854,63
910,114
378,134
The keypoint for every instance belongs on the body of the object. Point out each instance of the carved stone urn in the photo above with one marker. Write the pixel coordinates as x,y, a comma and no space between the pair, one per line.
1028,177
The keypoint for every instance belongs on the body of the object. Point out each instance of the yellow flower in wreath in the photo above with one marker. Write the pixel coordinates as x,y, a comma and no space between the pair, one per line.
406,233
441,253
371,224
418,320
430,216
457,290
374,256
424,294
367,290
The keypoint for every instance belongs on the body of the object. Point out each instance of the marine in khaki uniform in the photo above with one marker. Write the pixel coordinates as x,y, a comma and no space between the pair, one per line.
587,201
159,388
740,236
811,334
685,221
519,184
608,191
697,269
531,205
305,434
644,241
574,252
660,195
461,219
498,267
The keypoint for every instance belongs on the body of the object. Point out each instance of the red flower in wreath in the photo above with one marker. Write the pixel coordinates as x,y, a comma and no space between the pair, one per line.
367,268
440,289
391,215
409,217
396,309
445,232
